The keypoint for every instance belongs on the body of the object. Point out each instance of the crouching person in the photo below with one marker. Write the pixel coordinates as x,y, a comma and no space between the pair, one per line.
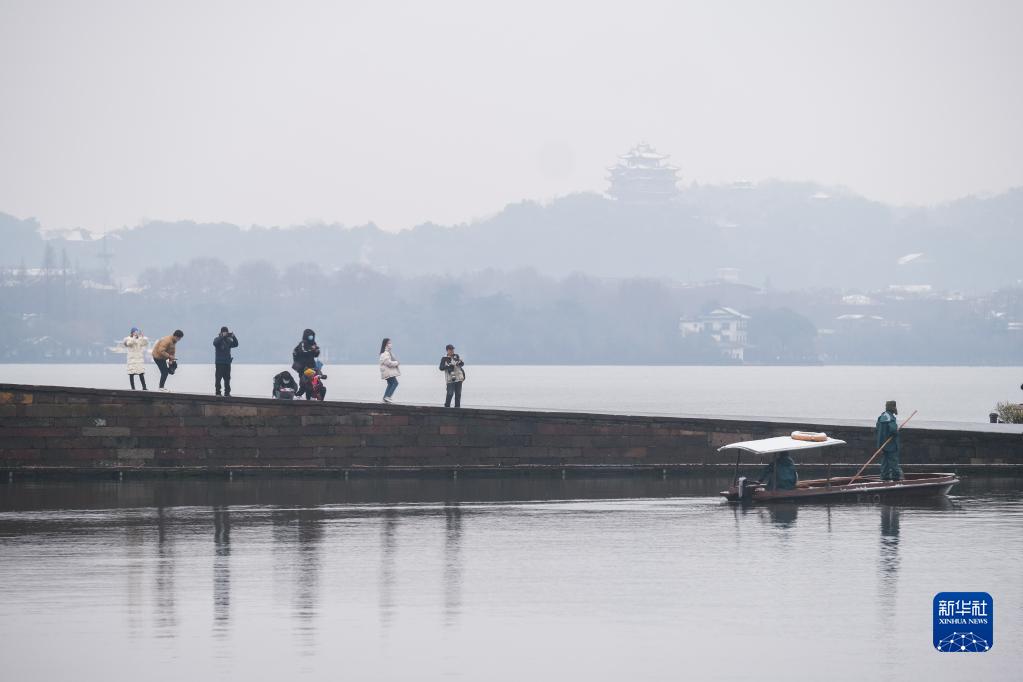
312,386
285,387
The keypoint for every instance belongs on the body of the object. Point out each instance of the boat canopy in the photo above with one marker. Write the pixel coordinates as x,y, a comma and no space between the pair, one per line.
767,446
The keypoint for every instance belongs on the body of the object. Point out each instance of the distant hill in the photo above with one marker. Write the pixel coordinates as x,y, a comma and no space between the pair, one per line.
786,235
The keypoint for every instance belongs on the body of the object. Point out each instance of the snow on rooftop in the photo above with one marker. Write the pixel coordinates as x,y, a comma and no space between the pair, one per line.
908,258
911,288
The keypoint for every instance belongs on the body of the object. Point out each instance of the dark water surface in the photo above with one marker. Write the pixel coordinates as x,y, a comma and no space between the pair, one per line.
536,578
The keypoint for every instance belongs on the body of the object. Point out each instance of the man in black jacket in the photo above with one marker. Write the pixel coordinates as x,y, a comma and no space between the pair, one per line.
305,353
223,343
305,356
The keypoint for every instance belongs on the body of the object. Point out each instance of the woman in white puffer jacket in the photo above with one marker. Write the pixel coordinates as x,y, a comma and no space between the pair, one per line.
389,369
136,343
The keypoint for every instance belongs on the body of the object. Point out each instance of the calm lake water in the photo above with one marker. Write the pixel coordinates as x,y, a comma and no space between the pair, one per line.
964,394
493,579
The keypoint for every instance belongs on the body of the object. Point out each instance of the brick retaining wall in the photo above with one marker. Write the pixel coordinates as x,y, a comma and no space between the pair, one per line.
86,429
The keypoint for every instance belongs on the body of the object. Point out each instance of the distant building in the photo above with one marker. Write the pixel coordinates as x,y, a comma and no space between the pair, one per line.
642,176
730,275
910,289
850,321
727,326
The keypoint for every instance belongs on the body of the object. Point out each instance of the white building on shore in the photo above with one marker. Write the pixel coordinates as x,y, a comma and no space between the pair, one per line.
726,326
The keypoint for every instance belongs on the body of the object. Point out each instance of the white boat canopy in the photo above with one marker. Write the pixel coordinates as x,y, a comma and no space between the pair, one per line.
767,446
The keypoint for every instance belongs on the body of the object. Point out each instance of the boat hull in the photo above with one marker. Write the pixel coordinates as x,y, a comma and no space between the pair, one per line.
865,489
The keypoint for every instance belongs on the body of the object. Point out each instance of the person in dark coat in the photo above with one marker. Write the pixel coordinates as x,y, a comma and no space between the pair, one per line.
223,343
781,473
305,353
284,387
888,426
305,357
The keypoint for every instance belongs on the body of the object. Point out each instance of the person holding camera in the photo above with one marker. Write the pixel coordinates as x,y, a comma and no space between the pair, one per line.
164,355
451,364
306,357
305,353
223,343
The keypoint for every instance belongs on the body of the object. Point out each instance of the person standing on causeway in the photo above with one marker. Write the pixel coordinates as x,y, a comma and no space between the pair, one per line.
389,369
136,343
451,364
165,355
223,343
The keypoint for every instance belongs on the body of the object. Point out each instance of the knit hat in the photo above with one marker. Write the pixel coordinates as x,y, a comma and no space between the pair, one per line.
309,372
134,330
889,406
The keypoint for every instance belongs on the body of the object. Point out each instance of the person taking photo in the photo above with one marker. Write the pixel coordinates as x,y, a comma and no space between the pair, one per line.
223,343
451,364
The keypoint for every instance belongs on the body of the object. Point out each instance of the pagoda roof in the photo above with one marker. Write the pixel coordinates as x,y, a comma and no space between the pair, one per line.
622,167
644,155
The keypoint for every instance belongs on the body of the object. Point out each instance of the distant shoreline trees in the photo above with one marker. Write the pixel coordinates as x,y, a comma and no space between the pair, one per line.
503,317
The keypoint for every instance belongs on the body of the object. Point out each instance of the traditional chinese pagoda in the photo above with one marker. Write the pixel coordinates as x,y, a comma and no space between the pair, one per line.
643,177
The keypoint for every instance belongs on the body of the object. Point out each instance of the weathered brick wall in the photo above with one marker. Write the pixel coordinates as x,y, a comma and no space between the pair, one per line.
49,427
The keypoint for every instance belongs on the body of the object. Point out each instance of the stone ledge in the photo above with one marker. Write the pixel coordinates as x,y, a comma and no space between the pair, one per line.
112,429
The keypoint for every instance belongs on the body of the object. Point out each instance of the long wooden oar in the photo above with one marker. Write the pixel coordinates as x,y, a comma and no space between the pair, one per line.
851,480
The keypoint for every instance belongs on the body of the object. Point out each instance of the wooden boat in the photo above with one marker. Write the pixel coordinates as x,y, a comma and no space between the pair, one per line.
831,488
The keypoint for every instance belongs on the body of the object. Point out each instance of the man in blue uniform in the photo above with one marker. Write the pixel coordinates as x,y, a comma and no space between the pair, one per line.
888,425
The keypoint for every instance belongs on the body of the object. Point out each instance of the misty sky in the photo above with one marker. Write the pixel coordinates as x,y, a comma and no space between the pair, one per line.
402,112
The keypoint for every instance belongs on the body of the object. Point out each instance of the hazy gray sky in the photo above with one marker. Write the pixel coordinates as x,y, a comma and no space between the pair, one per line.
403,112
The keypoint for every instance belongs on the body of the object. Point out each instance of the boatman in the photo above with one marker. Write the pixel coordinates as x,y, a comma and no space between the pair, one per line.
888,426
781,473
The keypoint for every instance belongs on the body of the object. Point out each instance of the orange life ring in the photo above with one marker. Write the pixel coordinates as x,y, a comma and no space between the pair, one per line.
812,436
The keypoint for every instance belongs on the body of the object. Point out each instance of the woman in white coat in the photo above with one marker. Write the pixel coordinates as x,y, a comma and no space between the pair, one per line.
136,343
389,369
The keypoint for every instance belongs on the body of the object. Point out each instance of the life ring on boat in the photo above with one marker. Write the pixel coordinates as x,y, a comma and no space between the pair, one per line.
812,436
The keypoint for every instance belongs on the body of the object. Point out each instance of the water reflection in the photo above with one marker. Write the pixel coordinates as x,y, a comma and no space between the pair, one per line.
166,612
783,514
421,580
452,563
221,571
388,549
299,532
310,535
890,517
134,574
